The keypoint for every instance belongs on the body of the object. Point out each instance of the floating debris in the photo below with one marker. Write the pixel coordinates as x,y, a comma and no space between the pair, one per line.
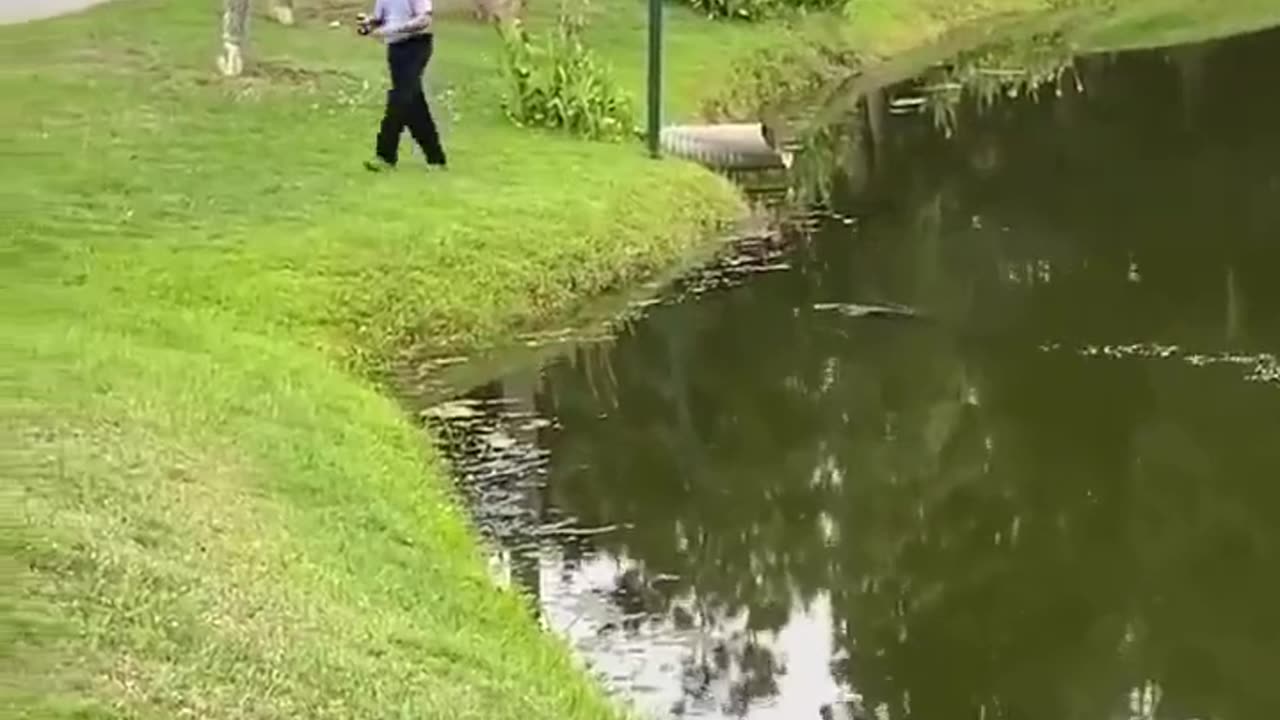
443,362
569,531
907,103
500,440
1149,350
1263,367
452,411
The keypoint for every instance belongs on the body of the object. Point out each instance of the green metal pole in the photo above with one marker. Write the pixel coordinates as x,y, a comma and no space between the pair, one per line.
655,76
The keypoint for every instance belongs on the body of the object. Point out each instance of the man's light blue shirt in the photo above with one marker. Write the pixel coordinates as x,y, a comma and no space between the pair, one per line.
395,13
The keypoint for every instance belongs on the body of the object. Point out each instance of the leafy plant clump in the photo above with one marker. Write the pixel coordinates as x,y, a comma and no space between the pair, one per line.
560,84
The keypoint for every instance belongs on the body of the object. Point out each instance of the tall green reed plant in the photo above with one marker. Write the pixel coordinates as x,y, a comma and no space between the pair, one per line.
559,83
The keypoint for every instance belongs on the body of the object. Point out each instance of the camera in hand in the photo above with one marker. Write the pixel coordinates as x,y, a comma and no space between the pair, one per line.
366,24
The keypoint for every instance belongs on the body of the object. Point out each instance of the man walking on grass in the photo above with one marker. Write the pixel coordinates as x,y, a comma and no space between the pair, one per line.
406,27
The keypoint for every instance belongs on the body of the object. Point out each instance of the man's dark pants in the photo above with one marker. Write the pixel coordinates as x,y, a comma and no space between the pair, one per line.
406,102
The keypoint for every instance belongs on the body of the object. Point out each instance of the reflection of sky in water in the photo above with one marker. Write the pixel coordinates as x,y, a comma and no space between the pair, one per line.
643,660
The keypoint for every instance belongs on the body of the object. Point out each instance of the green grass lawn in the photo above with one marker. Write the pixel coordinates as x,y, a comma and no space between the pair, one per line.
1158,23
212,510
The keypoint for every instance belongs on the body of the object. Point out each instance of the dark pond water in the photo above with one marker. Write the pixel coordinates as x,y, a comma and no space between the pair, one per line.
1051,493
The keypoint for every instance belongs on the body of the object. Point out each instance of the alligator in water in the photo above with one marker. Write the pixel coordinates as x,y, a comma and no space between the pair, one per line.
873,310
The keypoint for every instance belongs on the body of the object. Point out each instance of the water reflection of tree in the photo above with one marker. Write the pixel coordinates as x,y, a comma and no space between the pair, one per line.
1017,68
1002,531
675,437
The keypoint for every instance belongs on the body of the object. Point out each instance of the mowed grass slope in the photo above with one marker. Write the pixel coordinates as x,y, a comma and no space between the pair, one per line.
1161,23
210,512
